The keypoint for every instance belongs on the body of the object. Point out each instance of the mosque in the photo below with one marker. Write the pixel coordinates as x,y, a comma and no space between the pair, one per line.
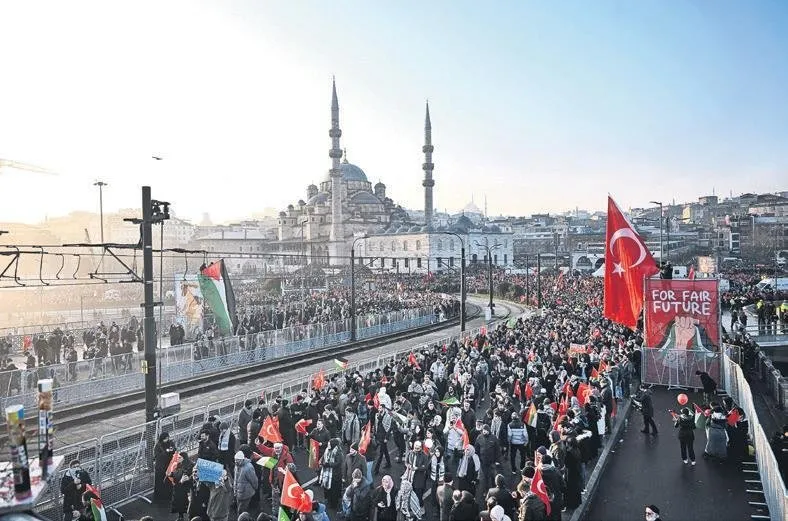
346,210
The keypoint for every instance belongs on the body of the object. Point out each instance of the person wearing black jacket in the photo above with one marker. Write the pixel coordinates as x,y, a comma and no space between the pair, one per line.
646,409
709,385
685,423
72,486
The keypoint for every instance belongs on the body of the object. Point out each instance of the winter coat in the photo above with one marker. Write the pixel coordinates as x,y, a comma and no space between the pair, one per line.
686,427
518,435
245,481
220,500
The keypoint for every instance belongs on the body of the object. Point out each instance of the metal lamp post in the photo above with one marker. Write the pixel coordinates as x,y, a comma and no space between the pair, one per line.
353,288
101,185
462,278
661,258
489,271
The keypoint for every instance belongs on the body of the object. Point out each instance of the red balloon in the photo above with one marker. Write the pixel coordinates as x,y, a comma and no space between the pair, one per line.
682,399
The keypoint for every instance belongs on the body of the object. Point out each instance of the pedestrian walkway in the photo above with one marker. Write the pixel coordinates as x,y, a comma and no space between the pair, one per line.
647,469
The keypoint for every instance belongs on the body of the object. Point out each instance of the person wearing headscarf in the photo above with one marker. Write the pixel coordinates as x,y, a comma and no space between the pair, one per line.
416,466
716,436
407,502
468,470
330,472
383,500
183,486
162,454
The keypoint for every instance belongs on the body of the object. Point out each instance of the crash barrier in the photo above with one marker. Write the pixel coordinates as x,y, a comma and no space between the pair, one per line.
774,491
80,382
121,463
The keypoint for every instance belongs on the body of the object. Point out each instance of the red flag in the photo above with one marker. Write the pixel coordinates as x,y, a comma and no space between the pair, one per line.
516,391
673,414
366,437
412,361
27,342
558,421
733,417
301,426
465,439
583,392
563,405
376,401
529,391
627,263
293,496
602,366
539,488
691,274
567,390
313,461
594,373
174,461
270,431
319,380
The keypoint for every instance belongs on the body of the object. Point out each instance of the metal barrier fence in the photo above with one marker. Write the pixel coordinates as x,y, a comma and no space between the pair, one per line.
676,367
120,374
773,486
77,324
121,463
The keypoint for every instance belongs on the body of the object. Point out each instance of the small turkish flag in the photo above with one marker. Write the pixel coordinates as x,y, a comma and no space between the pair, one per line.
293,495
270,431
539,488
627,263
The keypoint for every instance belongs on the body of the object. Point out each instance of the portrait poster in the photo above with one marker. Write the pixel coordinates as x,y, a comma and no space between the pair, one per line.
189,305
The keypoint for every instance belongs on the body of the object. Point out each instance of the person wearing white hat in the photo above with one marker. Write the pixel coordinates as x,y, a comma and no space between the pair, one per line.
245,482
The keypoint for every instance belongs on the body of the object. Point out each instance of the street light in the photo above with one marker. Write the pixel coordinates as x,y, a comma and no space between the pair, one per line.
353,288
101,185
661,258
489,270
462,278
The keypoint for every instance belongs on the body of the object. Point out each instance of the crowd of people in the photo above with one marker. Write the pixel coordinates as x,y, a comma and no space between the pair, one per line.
478,429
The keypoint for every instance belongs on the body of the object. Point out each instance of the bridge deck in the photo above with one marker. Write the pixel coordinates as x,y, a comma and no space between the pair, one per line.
647,469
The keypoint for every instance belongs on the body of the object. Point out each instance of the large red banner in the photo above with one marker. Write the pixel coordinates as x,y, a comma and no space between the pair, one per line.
682,314
682,324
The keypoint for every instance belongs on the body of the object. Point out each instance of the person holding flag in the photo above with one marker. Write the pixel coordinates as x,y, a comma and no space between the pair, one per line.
685,423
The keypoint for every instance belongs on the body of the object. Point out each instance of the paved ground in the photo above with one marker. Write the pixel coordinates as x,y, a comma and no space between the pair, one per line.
647,469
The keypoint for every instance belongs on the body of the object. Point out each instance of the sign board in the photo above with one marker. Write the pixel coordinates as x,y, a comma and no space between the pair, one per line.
682,331
209,471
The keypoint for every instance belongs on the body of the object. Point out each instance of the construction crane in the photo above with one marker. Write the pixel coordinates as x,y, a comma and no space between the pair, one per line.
18,165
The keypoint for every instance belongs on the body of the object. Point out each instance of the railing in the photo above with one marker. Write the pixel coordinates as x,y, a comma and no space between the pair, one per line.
773,486
121,463
80,382
77,324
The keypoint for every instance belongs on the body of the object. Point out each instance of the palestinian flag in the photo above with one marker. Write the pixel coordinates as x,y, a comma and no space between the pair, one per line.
314,454
218,294
341,363
97,508
282,515
530,416
267,462
450,401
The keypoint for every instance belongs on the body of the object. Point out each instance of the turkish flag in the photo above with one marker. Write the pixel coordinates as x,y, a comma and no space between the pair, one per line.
301,426
293,496
539,488
270,431
366,438
627,263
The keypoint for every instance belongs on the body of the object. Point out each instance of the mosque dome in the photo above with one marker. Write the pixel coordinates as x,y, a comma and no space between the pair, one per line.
364,198
350,172
319,198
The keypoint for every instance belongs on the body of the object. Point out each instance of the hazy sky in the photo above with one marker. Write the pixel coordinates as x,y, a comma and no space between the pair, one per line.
540,105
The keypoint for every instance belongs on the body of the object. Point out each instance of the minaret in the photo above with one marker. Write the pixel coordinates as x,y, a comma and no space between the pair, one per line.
428,167
337,235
